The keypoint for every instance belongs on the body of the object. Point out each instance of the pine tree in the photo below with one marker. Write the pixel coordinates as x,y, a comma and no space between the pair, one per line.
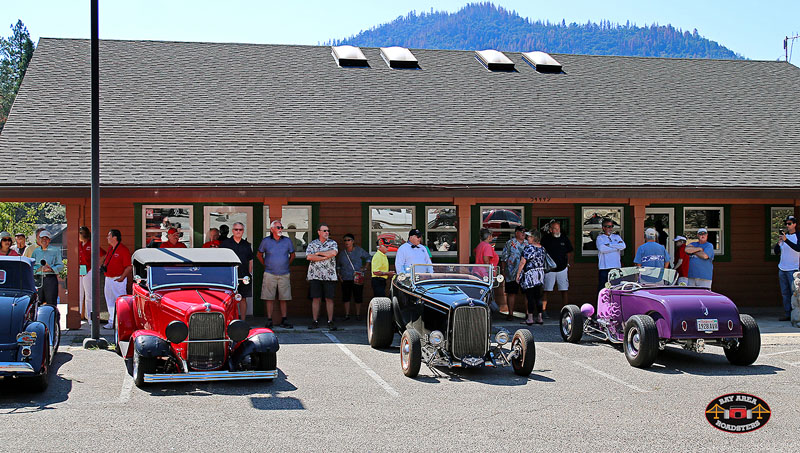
15,54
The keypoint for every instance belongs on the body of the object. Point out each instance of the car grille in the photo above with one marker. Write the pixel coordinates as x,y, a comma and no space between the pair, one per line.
470,332
206,355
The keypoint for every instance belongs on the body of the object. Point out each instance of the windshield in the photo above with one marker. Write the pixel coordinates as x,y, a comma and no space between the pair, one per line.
646,276
16,275
478,272
161,276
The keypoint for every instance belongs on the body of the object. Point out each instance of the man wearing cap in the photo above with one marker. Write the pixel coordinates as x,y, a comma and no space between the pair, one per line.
5,245
29,250
789,251
172,240
117,268
609,252
21,246
701,265
380,269
411,253
47,261
682,262
651,254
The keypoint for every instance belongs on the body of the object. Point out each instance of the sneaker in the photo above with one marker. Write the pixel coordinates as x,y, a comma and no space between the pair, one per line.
109,326
285,324
331,326
784,318
314,325
269,323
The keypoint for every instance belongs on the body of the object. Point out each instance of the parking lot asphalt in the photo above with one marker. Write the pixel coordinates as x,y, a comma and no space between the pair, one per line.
336,393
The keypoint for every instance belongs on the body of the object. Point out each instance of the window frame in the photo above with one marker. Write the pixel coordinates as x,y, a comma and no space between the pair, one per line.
579,227
721,231
187,232
769,209
286,231
372,248
453,252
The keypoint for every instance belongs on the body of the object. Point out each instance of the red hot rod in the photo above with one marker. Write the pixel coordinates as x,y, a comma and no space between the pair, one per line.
182,321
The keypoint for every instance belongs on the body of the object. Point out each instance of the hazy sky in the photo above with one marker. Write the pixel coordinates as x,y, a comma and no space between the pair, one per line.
751,28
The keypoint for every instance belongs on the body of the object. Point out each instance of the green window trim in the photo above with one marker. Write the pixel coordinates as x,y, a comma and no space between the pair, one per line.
627,214
476,221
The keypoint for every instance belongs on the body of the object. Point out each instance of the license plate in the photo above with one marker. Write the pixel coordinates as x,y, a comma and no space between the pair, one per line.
707,325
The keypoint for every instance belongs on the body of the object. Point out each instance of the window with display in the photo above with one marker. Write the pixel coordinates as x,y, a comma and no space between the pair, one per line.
777,220
158,219
441,229
297,226
501,221
391,223
591,225
710,218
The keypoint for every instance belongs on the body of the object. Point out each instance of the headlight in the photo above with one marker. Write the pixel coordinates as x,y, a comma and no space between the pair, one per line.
500,278
176,332
238,330
238,297
245,280
501,337
436,338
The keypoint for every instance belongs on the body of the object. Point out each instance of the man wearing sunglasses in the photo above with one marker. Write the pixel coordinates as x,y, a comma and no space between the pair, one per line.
276,253
322,274
609,252
244,251
701,263
789,251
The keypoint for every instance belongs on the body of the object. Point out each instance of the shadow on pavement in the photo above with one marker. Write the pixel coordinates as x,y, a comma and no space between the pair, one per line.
16,396
677,361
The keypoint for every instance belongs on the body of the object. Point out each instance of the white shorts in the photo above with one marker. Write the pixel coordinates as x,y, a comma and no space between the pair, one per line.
700,282
684,280
551,278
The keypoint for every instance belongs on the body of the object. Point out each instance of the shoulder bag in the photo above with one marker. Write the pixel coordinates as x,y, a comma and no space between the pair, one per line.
358,276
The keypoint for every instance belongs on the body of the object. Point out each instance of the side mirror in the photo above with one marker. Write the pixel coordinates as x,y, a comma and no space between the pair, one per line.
138,279
245,280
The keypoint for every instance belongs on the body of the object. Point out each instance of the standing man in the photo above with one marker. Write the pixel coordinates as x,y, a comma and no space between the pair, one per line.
651,254
789,251
510,257
213,239
380,269
351,265
29,250
682,261
172,240
21,247
85,272
276,253
558,246
411,253
322,274
701,264
609,252
244,251
117,268
47,261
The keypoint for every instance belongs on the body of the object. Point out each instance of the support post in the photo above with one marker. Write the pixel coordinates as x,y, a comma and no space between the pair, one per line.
73,267
464,208
639,207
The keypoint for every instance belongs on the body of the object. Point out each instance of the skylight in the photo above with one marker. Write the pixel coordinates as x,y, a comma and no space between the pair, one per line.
349,56
542,61
494,60
399,57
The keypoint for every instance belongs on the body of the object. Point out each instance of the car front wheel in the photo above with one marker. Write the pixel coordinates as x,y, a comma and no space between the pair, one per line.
410,353
749,346
142,366
571,323
379,323
525,346
641,341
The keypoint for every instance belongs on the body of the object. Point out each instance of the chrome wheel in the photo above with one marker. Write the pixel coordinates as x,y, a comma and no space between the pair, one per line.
566,325
369,324
633,342
405,350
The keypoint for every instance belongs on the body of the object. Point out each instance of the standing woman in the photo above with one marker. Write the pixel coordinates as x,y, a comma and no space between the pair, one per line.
5,245
351,264
530,275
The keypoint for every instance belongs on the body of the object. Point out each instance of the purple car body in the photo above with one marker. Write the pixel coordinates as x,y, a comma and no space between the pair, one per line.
645,313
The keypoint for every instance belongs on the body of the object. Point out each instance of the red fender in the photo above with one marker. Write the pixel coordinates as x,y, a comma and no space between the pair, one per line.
258,330
125,322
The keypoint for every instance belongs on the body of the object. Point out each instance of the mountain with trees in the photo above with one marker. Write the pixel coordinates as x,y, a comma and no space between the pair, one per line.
486,26
15,54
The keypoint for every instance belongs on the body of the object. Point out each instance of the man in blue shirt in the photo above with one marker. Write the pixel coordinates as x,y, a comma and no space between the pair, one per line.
651,254
276,252
701,266
47,261
412,253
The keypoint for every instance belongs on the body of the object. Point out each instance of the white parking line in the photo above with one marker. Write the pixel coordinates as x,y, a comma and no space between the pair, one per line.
592,369
781,352
385,385
127,387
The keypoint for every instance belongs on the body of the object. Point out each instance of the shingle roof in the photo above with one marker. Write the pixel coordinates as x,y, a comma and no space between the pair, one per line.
177,113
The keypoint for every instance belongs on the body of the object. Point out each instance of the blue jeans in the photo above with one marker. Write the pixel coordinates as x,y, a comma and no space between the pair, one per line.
785,279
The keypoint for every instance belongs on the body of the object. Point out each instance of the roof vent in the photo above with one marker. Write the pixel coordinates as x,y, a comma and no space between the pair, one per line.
349,56
399,57
542,61
494,60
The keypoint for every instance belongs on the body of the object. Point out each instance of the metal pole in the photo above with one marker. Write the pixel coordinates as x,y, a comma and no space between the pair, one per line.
96,274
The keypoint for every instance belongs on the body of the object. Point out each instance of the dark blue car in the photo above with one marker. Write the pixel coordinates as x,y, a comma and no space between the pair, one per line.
29,331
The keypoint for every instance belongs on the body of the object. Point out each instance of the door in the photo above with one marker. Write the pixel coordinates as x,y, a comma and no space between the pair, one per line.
663,221
219,216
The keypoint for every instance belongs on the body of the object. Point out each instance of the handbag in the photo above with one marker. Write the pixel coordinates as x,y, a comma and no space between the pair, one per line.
549,262
358,276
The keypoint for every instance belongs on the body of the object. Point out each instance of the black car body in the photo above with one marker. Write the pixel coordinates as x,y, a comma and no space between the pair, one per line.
442,313
29,332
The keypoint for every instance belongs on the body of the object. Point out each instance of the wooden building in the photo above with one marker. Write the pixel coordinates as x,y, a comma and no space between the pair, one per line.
196,135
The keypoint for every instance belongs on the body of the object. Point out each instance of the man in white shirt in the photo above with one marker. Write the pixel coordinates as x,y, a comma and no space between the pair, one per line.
789,251
609,251
412,253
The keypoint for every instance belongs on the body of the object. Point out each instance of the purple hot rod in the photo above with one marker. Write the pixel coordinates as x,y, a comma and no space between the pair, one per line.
643,309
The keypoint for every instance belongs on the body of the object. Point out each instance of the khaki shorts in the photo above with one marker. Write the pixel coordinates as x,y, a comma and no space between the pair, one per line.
276,287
